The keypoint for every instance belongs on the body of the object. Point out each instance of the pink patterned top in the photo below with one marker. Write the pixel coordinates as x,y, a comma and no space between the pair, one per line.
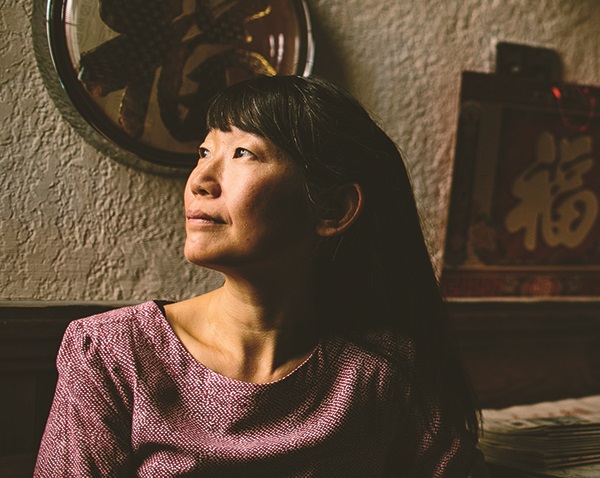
131,401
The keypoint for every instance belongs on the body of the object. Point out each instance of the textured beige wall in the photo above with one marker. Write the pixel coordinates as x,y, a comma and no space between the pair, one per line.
76,225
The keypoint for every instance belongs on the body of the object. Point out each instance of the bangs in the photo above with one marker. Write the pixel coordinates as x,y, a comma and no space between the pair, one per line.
254,107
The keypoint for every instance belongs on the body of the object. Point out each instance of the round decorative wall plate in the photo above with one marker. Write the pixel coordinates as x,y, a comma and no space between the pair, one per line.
141,72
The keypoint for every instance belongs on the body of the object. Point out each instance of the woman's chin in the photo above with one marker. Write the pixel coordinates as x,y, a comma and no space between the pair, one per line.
194,255
207,259
197,259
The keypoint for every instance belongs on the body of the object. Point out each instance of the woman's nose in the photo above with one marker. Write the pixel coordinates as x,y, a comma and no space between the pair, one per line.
205,178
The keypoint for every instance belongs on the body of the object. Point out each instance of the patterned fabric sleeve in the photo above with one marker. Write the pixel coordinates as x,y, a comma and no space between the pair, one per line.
88,430
432,447
445,452
437,453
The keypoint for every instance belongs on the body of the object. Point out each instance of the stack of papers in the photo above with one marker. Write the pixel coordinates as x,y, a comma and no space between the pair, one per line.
550,439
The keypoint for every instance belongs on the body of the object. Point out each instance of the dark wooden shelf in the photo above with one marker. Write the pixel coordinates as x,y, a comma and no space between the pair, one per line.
521,352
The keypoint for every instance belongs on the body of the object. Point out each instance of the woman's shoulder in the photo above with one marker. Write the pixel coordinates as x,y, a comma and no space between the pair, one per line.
383,344
115,329
381,353
119,320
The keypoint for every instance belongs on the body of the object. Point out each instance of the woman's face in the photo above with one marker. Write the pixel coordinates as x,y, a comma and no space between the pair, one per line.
245,205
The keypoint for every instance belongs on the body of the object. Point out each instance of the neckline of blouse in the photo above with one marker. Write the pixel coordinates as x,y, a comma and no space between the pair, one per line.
300,372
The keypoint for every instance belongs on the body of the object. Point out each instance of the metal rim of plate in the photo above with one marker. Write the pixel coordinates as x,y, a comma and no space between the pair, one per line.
83,113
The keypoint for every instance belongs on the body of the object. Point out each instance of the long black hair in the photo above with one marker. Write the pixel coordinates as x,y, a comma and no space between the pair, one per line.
378,273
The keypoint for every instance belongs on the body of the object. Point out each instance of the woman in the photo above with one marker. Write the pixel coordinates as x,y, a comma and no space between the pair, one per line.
325,353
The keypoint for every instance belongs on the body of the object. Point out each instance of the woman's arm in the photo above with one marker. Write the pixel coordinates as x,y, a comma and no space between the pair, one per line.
89,427
449,455
430,443
436,453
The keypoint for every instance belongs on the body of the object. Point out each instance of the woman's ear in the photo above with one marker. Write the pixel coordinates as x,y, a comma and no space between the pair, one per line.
344,207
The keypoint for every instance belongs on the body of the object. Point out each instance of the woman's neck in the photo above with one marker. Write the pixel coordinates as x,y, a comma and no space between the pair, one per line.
250,330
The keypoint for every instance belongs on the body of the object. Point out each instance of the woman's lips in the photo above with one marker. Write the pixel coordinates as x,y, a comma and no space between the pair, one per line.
199,217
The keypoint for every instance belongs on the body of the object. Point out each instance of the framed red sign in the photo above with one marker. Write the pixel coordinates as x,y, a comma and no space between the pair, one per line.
525,202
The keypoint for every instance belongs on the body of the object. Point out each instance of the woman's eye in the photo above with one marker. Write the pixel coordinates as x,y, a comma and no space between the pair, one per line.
203,153
240,152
